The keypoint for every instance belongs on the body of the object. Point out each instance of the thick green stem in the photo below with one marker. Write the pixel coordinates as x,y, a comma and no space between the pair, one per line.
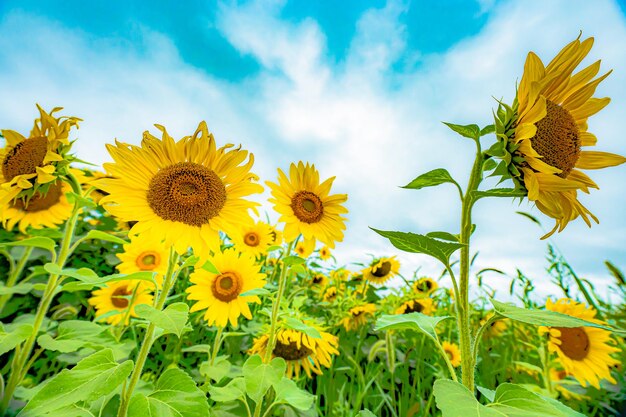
216,344
14,275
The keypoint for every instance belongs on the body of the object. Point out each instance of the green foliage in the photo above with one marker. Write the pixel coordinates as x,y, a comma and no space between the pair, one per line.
13,336
415,243
172,320
71,336
259,377
414,321
468,131
431,179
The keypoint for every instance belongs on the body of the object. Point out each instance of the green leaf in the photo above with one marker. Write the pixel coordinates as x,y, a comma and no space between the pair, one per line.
217,371
71,336
293,260
93,377
82,274
288,392
13,336
209,267
412,321
430,179
299,325
259,377
21,288
172,320
497,150
365,413
234,390
35,242
82,201
443,236
256,291
175,395
487,130
546,317
412,242
469,131
499,192
100,235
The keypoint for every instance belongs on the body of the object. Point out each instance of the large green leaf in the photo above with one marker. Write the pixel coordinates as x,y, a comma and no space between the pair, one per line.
13,336
217,370
175,395
430,179
259,377
100,235
21,288
296,324
288,392
413,321
35,242
412,242
71,336
93,377
234,390
172,320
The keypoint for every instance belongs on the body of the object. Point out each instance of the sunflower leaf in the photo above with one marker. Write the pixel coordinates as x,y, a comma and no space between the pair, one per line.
300,326
71,336
289,393
35,242
293,260
234,390
173,320
468,131
414,243
16,334
412,321
487,130
260,376
431,179
100,235
21,288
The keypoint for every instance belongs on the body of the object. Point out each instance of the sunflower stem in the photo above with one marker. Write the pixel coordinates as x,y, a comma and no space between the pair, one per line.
216,344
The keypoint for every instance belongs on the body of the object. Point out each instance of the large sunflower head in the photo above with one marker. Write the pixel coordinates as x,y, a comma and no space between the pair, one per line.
357,316
300,351
453,353
307,207
542,136
220,294
416,305
184,192
584,352
144,253
253,238
381,270
116,301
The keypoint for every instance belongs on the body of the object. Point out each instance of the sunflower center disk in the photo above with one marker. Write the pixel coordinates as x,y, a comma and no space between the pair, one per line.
574,342
227,286
291,351
382,270
307,207
118,298
251,239
25,157
557,139
415,308
148,261
40,201
186,192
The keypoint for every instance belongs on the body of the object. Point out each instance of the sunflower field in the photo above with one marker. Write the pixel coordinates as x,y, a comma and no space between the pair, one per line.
154,286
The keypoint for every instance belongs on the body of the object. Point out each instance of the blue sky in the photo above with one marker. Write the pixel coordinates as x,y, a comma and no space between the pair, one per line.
359,90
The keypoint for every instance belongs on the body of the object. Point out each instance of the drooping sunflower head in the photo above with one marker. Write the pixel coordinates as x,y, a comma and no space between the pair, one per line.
300,351
425,285
253,239
381,270
543,134
184,191
144,253
416,305
220,294
584,352
453,353
358,316
116,301
307,207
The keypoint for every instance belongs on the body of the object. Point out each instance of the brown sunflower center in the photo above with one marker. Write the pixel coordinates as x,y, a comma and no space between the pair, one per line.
449,354
148,260
118,298
574,342
557,139
318,279
307,207
382,270
24,158
227,286
416,307
290,351
251,239
186,192
356,314
41,202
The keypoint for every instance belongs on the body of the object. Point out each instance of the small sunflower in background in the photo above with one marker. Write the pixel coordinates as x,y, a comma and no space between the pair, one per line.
453,353
381,270
542,136
300,351
324,253
304,248
358,316
319,280
276,235
220,293
416,305
425,285
340,275
307,207
186,192
144,253
495,328
584,352
116,301
253,239
330,294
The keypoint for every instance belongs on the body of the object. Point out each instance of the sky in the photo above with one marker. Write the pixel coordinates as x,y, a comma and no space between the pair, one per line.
358,89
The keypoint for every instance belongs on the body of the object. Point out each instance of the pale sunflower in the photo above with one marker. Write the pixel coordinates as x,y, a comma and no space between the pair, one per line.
253,239
324,253
184,192
381,270
307,207
357,316
542,134
416,305
425,285
300,351
118,299
584,352
144,253
453,353
220,294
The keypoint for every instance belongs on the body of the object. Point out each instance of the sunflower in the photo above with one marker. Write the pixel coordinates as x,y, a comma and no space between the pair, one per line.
306,206
33,165
300,351
319,280
144,253
381,270
276,235
43,210
220,294
541,135
184,192
340,275
425,285
560,383
304,248
253,239
453,352
496,328
584,352
357,316
118,299
330,294
324,253
419,305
